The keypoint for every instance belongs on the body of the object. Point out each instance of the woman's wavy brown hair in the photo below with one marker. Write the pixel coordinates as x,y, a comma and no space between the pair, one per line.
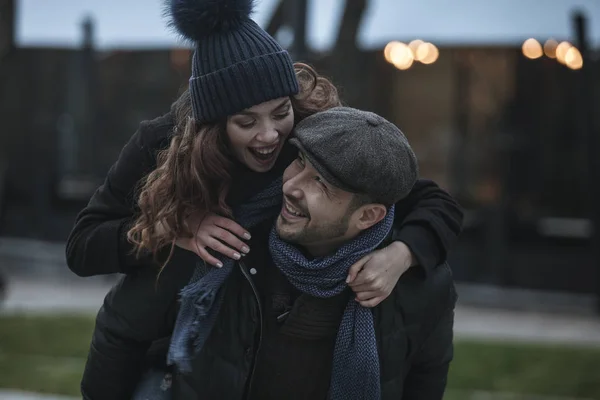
193,173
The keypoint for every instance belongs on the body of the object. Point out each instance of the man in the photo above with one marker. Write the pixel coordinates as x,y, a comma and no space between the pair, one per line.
352,167
288,327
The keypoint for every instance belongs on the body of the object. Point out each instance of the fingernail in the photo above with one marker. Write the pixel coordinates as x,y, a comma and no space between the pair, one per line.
348,280
247,235
237,256
220,265
245,249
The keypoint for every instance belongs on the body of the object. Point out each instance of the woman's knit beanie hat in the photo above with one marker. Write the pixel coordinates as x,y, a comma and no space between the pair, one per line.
236,64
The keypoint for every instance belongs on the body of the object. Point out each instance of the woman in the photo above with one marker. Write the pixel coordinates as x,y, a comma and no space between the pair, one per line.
223,143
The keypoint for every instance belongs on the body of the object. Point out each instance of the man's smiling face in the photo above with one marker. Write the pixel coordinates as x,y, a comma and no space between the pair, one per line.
314,212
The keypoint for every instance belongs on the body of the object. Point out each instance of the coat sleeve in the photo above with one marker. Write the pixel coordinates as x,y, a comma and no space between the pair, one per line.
428,374
97,243
138,311
428,221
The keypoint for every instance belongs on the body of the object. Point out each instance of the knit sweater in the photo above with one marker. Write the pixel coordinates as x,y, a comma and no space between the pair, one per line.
296,354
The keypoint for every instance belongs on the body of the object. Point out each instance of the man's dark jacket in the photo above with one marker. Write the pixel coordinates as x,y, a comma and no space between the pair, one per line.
413,328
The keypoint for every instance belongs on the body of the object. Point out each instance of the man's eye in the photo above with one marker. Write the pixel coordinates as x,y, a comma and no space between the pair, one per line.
321,181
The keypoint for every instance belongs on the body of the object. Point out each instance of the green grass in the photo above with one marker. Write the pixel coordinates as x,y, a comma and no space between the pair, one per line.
44,353
51,336
526,368
47,354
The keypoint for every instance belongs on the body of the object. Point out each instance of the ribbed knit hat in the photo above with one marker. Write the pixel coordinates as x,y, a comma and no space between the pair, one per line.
236,64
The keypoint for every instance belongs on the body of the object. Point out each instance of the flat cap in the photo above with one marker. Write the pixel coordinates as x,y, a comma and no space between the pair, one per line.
359,152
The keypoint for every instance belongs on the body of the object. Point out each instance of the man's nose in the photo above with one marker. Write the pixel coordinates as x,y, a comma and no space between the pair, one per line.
292,186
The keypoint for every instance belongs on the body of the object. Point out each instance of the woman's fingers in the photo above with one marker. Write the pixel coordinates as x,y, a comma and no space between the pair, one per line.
363,296
231,226
229,239
372,302
207,257
223,249
220,234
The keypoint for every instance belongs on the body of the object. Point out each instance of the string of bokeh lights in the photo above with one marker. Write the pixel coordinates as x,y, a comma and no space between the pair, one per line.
403,56
564,52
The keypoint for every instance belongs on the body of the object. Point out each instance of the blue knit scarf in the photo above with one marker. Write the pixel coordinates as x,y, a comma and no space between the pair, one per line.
201,299
355,373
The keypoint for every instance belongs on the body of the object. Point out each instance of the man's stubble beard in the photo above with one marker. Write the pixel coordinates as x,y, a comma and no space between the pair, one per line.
321,234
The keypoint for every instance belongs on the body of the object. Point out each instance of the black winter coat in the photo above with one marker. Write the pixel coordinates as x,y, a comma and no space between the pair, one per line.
413,328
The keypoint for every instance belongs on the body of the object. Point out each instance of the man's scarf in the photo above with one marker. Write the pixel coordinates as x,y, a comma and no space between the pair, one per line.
356,371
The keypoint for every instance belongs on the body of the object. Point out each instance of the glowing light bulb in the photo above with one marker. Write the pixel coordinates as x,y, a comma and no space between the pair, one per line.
401,56
561,51
532,49
573,58
550,48
427,53
414,45
388,50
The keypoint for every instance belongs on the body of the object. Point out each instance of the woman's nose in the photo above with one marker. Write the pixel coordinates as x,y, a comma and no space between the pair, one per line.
268,135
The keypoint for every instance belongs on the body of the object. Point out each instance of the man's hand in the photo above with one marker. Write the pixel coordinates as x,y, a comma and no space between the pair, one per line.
374,276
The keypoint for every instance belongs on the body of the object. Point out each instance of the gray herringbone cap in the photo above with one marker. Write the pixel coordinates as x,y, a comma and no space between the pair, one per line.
359,152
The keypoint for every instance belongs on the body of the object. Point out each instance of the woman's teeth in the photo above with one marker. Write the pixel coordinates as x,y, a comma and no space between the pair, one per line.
266,150
263,152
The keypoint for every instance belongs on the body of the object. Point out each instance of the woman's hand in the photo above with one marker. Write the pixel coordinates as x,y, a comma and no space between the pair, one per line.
374,276
218,233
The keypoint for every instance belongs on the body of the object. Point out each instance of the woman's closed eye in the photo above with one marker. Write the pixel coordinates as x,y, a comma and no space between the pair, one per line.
282,112
282,115
246,124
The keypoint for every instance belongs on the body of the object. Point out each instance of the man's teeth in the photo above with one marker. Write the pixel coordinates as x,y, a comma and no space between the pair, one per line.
293,212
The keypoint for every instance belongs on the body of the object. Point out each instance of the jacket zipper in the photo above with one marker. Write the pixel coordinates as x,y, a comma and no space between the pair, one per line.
260,316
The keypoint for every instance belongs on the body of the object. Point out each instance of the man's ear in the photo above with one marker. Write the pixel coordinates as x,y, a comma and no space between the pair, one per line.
369,215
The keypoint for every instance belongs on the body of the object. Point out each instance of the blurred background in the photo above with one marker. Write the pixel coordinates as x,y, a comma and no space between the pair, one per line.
500,100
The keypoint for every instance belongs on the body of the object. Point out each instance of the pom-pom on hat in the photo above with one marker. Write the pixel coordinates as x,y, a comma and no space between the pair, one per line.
236,64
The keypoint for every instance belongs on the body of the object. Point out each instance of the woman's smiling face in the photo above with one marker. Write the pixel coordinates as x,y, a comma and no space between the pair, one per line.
258,133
